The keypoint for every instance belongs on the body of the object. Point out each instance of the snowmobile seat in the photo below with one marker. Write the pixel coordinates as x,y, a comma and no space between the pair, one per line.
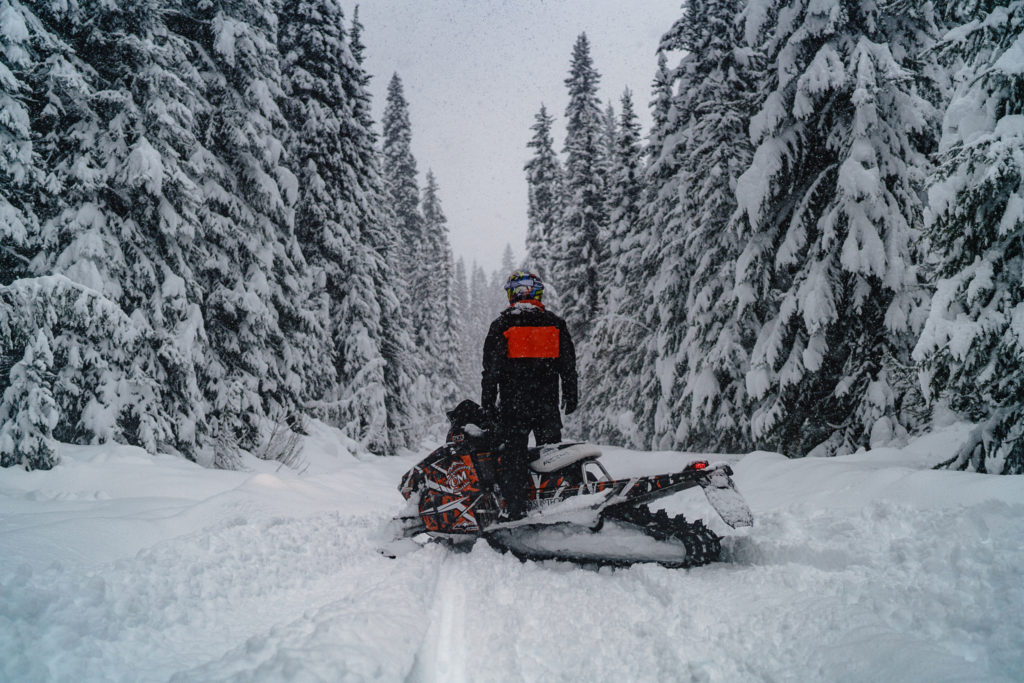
552,457
470,430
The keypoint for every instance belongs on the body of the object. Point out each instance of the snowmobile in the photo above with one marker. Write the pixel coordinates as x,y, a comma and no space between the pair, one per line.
574,510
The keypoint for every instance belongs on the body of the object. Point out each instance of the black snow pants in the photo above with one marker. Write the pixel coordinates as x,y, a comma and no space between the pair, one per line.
514,438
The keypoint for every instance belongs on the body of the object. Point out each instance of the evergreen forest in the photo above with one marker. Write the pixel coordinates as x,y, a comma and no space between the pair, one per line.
206,240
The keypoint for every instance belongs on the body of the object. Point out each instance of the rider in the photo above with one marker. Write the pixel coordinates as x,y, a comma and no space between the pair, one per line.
527,351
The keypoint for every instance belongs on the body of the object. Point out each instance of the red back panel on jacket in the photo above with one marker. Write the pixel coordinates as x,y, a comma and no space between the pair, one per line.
532,342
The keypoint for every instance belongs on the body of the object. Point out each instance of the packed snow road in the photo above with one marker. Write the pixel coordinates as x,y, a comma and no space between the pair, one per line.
121,566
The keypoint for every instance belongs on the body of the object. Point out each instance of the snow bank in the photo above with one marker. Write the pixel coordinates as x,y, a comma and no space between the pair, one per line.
117,565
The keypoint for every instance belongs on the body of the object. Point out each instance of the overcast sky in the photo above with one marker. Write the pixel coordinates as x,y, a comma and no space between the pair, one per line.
475,74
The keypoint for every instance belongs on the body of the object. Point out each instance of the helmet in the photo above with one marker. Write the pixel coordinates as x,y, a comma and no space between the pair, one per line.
522,285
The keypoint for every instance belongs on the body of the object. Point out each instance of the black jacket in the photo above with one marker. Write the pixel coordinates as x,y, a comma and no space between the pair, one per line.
526,352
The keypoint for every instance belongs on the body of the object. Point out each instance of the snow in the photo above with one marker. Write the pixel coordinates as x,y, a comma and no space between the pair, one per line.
145,167
227,30
826,72
816,300
117,565
1011,62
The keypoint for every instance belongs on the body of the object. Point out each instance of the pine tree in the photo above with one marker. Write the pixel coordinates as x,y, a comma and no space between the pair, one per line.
156,179
400,174
467,345
101,382
707,403
509,262
578,239
546,198
657,207
610,362
832,203
28,412
971,347
261,306
443,323
660,106
333,152
400,178
313,67
609,138
625,192
380,234
358,50
19,170
484,307
662,262
605,172
119,210
496,298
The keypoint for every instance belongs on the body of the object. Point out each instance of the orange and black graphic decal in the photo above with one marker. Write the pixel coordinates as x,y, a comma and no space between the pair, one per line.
452,494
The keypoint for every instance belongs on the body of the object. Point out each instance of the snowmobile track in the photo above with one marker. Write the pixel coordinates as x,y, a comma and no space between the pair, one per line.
702,545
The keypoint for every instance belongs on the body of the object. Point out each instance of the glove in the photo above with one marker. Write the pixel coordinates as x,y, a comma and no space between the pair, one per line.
569,404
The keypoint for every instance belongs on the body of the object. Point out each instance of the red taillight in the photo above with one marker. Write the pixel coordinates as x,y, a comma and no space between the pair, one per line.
699,465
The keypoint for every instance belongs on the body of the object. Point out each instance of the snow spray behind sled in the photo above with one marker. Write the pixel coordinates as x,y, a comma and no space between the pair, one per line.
574,509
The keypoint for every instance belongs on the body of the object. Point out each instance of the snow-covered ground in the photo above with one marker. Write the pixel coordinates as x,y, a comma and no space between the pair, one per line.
121,566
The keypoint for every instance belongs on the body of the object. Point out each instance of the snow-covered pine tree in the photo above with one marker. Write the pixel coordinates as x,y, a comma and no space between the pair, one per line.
467,344
609,137
608,155
972,346
484,307
660,106
656,210
396,340
496,291
833,202
20,173
403,195
74,129
443,324
168,195
333,152
358,50
261,306
400,175
494,297
611,362
715,95
577,241
663,256
608,147
546,198
314,103
118,214
509,263
607,160
28,412
380,234
756,278
98,381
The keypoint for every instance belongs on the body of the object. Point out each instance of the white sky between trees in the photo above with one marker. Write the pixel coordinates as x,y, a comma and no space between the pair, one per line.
476,72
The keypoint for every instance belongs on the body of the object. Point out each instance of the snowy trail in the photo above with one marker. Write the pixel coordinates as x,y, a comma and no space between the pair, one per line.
441,655
118,566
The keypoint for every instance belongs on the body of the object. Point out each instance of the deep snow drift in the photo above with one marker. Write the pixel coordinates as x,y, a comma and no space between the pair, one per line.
121,566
